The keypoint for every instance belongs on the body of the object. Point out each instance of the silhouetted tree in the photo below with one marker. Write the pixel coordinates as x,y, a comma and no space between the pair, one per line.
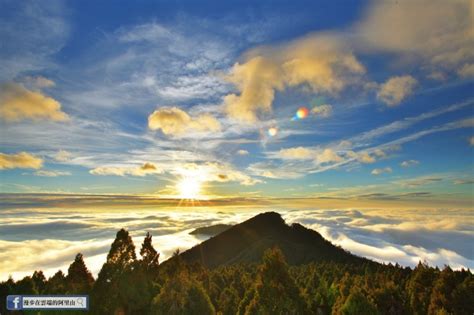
79,279
56,284
39,280
149,254
108,296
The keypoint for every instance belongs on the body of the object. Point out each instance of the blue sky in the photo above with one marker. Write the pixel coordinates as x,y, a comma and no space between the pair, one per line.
178,99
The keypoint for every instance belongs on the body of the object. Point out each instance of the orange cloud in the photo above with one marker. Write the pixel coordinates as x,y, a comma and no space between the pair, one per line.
438,31
396,89
322,63
20,160
18,103
143,170
176,122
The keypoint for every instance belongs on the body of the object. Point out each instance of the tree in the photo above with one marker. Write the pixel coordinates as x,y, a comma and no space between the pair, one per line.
463,296
39,280
56,284
79,279
182,294
358,303
419,288
149,254
107,295
275,292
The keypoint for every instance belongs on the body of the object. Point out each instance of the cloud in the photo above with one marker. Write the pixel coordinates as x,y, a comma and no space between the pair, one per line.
242,152
298,153
463,182
63,156
176,122
365,157
438,33
409,163
51,173
323,111
20,160
31,47
18,103
327,156
39,82
420,181
320,62
215,172
467,70
380,171
143,170
396,89
471,141
276,171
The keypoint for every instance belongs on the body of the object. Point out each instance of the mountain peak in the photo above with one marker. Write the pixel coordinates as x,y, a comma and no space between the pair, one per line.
246,242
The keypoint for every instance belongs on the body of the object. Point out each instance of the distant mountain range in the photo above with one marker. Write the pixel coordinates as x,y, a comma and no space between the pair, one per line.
211,230
246,242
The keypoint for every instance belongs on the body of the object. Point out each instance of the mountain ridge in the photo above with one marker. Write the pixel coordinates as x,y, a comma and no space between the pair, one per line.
245,243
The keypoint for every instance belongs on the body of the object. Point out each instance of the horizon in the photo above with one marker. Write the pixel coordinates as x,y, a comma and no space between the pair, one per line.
354,119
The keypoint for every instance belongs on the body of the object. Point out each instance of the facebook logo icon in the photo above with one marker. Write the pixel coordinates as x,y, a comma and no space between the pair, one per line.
14,302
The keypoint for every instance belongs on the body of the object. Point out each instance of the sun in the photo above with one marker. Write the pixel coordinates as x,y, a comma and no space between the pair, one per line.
189,188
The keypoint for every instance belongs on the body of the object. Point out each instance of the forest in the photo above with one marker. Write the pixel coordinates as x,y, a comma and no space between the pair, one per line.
128,284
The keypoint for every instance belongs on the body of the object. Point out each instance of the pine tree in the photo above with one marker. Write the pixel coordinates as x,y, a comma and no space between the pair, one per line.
149,254
79,279
358,303
419,288
182,294
39,280
56,284
275,292
108,296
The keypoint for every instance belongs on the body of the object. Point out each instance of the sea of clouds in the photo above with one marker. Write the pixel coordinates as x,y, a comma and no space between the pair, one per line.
48,238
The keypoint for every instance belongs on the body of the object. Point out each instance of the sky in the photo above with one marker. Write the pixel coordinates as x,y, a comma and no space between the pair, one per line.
124,98
335,104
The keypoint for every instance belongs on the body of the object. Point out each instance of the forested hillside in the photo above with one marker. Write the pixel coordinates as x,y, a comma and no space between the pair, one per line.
331,282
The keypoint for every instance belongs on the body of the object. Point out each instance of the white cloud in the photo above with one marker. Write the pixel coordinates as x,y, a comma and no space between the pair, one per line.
51,173
63,156
396,89
39,82
242,152
298,153
43,32
409,163
380,171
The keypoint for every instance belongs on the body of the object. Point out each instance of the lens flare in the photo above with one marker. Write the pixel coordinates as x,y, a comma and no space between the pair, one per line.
272,131
302,113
